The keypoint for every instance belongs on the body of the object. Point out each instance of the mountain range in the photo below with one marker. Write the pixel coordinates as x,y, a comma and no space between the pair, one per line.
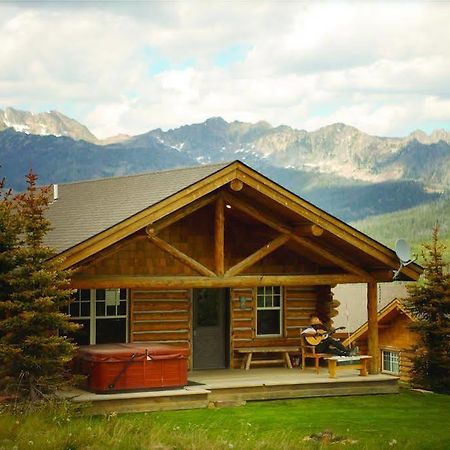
345,171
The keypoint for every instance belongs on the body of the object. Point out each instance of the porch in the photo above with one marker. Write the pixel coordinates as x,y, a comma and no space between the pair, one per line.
234,387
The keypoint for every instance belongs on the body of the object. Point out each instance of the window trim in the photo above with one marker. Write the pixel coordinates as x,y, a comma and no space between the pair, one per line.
93,314
269,308
392,352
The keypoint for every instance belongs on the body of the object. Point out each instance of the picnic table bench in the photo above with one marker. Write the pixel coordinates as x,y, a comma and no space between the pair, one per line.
270,351
347,362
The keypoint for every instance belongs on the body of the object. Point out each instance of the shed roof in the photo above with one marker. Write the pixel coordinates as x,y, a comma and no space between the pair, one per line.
86,208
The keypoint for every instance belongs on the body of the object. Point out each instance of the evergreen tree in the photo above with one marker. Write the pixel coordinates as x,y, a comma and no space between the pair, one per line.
33,354
429,302
9,240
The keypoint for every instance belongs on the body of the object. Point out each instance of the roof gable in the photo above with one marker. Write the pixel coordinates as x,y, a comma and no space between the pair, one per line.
392,309
156,196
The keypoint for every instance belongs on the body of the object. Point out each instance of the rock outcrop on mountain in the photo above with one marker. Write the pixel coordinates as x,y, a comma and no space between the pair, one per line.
349,173
336,149
51,123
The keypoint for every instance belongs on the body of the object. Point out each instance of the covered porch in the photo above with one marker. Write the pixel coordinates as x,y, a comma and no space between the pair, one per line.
234,387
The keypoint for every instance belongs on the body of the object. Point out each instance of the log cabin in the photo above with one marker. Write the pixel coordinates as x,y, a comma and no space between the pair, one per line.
395,337
216,258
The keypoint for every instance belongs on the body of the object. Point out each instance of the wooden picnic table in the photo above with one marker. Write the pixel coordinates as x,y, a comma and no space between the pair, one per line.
284,351
351,362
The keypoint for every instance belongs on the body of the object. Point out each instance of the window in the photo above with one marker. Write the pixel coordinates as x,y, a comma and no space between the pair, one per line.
268,312
391,361
102,314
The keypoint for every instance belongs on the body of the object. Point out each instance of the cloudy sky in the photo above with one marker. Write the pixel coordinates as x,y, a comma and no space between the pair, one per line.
131,66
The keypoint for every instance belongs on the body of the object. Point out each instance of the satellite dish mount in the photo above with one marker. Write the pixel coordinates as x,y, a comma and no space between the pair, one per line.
403,252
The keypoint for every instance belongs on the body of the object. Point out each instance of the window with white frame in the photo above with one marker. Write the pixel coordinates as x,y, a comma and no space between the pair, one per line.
391,361
102,314
268,311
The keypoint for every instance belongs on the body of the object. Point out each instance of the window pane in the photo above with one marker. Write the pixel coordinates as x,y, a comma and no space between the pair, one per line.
122,309
74,309
109,331
395,363
123,294
85,295
100,294
111,310
276,301
268,322
85,309
260,302
100,309
391,362
276,290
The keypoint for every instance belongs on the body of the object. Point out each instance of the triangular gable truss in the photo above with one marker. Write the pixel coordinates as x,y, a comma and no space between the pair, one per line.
395,304
202,193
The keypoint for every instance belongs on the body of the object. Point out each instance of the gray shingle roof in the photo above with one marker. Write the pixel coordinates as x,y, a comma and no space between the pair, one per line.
87,208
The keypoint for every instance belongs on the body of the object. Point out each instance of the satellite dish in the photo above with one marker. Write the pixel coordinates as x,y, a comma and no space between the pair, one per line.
403,252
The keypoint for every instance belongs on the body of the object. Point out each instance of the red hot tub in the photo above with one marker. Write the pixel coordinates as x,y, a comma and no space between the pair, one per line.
121,367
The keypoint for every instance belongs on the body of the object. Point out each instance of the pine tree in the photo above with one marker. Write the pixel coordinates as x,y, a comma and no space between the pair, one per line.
429,302
33,351
9,240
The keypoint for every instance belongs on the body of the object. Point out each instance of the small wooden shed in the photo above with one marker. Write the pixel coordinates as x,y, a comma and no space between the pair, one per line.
214,257
395,337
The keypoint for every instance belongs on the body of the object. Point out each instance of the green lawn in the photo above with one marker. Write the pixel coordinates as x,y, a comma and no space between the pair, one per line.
410,420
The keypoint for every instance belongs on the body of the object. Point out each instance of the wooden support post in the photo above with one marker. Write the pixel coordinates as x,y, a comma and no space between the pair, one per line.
219,236
372,322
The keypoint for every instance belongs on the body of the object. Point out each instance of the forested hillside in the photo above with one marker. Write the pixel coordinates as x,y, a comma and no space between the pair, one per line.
414,224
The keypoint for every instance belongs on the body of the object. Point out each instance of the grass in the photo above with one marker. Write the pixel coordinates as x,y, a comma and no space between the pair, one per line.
410,420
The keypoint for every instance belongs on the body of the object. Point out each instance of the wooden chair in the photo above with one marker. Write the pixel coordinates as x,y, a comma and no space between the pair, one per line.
309,351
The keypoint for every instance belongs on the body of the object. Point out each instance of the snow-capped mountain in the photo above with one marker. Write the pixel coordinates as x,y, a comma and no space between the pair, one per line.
44,124
336,149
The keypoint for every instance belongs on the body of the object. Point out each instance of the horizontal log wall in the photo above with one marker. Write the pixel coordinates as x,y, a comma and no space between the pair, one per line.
396,336
298,304
161,316
242,321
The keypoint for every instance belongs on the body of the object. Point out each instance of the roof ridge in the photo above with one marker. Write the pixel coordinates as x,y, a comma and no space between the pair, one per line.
135,175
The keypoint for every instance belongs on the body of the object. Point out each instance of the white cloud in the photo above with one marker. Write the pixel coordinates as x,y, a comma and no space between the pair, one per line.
382,67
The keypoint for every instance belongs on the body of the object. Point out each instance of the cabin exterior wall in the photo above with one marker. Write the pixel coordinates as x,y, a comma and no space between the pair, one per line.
395,337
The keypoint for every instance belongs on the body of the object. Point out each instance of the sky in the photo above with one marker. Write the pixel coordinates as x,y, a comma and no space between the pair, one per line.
132,66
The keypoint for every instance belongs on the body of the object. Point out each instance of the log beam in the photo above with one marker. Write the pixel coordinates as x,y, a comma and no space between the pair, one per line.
311,246
180,256
186,282
309,230
157,226
258,255
219,236
372,323
236,185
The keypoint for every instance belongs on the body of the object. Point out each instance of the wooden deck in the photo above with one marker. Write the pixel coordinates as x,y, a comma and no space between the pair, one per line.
219,388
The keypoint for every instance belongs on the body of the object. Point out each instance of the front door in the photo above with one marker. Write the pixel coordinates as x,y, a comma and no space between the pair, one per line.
210,328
